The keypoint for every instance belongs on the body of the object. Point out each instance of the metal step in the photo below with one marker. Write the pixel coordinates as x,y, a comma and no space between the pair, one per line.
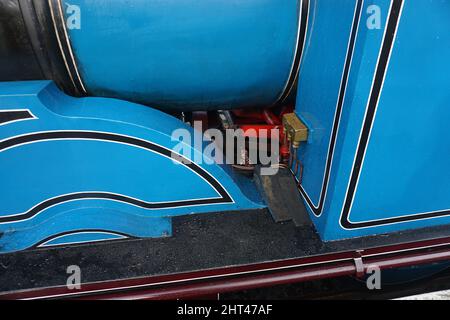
281,195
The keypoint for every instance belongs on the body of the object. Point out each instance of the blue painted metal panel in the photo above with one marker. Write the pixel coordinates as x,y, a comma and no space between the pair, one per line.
390,161
319,86
97,164
412,114
187,54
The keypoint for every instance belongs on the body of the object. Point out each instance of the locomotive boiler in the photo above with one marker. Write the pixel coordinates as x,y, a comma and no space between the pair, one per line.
353,93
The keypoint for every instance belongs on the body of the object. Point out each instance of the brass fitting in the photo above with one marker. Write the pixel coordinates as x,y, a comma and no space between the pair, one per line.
295,129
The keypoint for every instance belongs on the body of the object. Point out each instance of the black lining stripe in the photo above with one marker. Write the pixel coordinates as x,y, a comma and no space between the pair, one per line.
387,47
40,30
299,51
64,46
9,116
73,232
380,74
111,137
343,87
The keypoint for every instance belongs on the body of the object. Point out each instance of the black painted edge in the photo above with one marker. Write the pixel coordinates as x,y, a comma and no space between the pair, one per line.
341,98
10,116
303,21
39,245
380,75
59,24
43,33
224,198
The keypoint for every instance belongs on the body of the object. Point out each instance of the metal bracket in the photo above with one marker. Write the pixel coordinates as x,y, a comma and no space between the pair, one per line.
359,264
296,131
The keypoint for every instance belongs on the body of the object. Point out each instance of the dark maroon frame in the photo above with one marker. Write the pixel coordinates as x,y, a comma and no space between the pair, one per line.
215,281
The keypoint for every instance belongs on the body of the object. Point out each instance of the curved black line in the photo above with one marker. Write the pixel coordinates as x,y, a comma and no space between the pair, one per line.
40,31
64,46
66,233
380,74
341,98
299,52
358,225
9,116
111,137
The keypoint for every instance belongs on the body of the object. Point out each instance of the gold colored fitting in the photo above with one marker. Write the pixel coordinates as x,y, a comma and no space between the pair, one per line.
295,129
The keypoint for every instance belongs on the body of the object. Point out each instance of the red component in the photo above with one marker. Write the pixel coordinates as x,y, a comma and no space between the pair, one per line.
270,117
255,116
260,123
259,130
